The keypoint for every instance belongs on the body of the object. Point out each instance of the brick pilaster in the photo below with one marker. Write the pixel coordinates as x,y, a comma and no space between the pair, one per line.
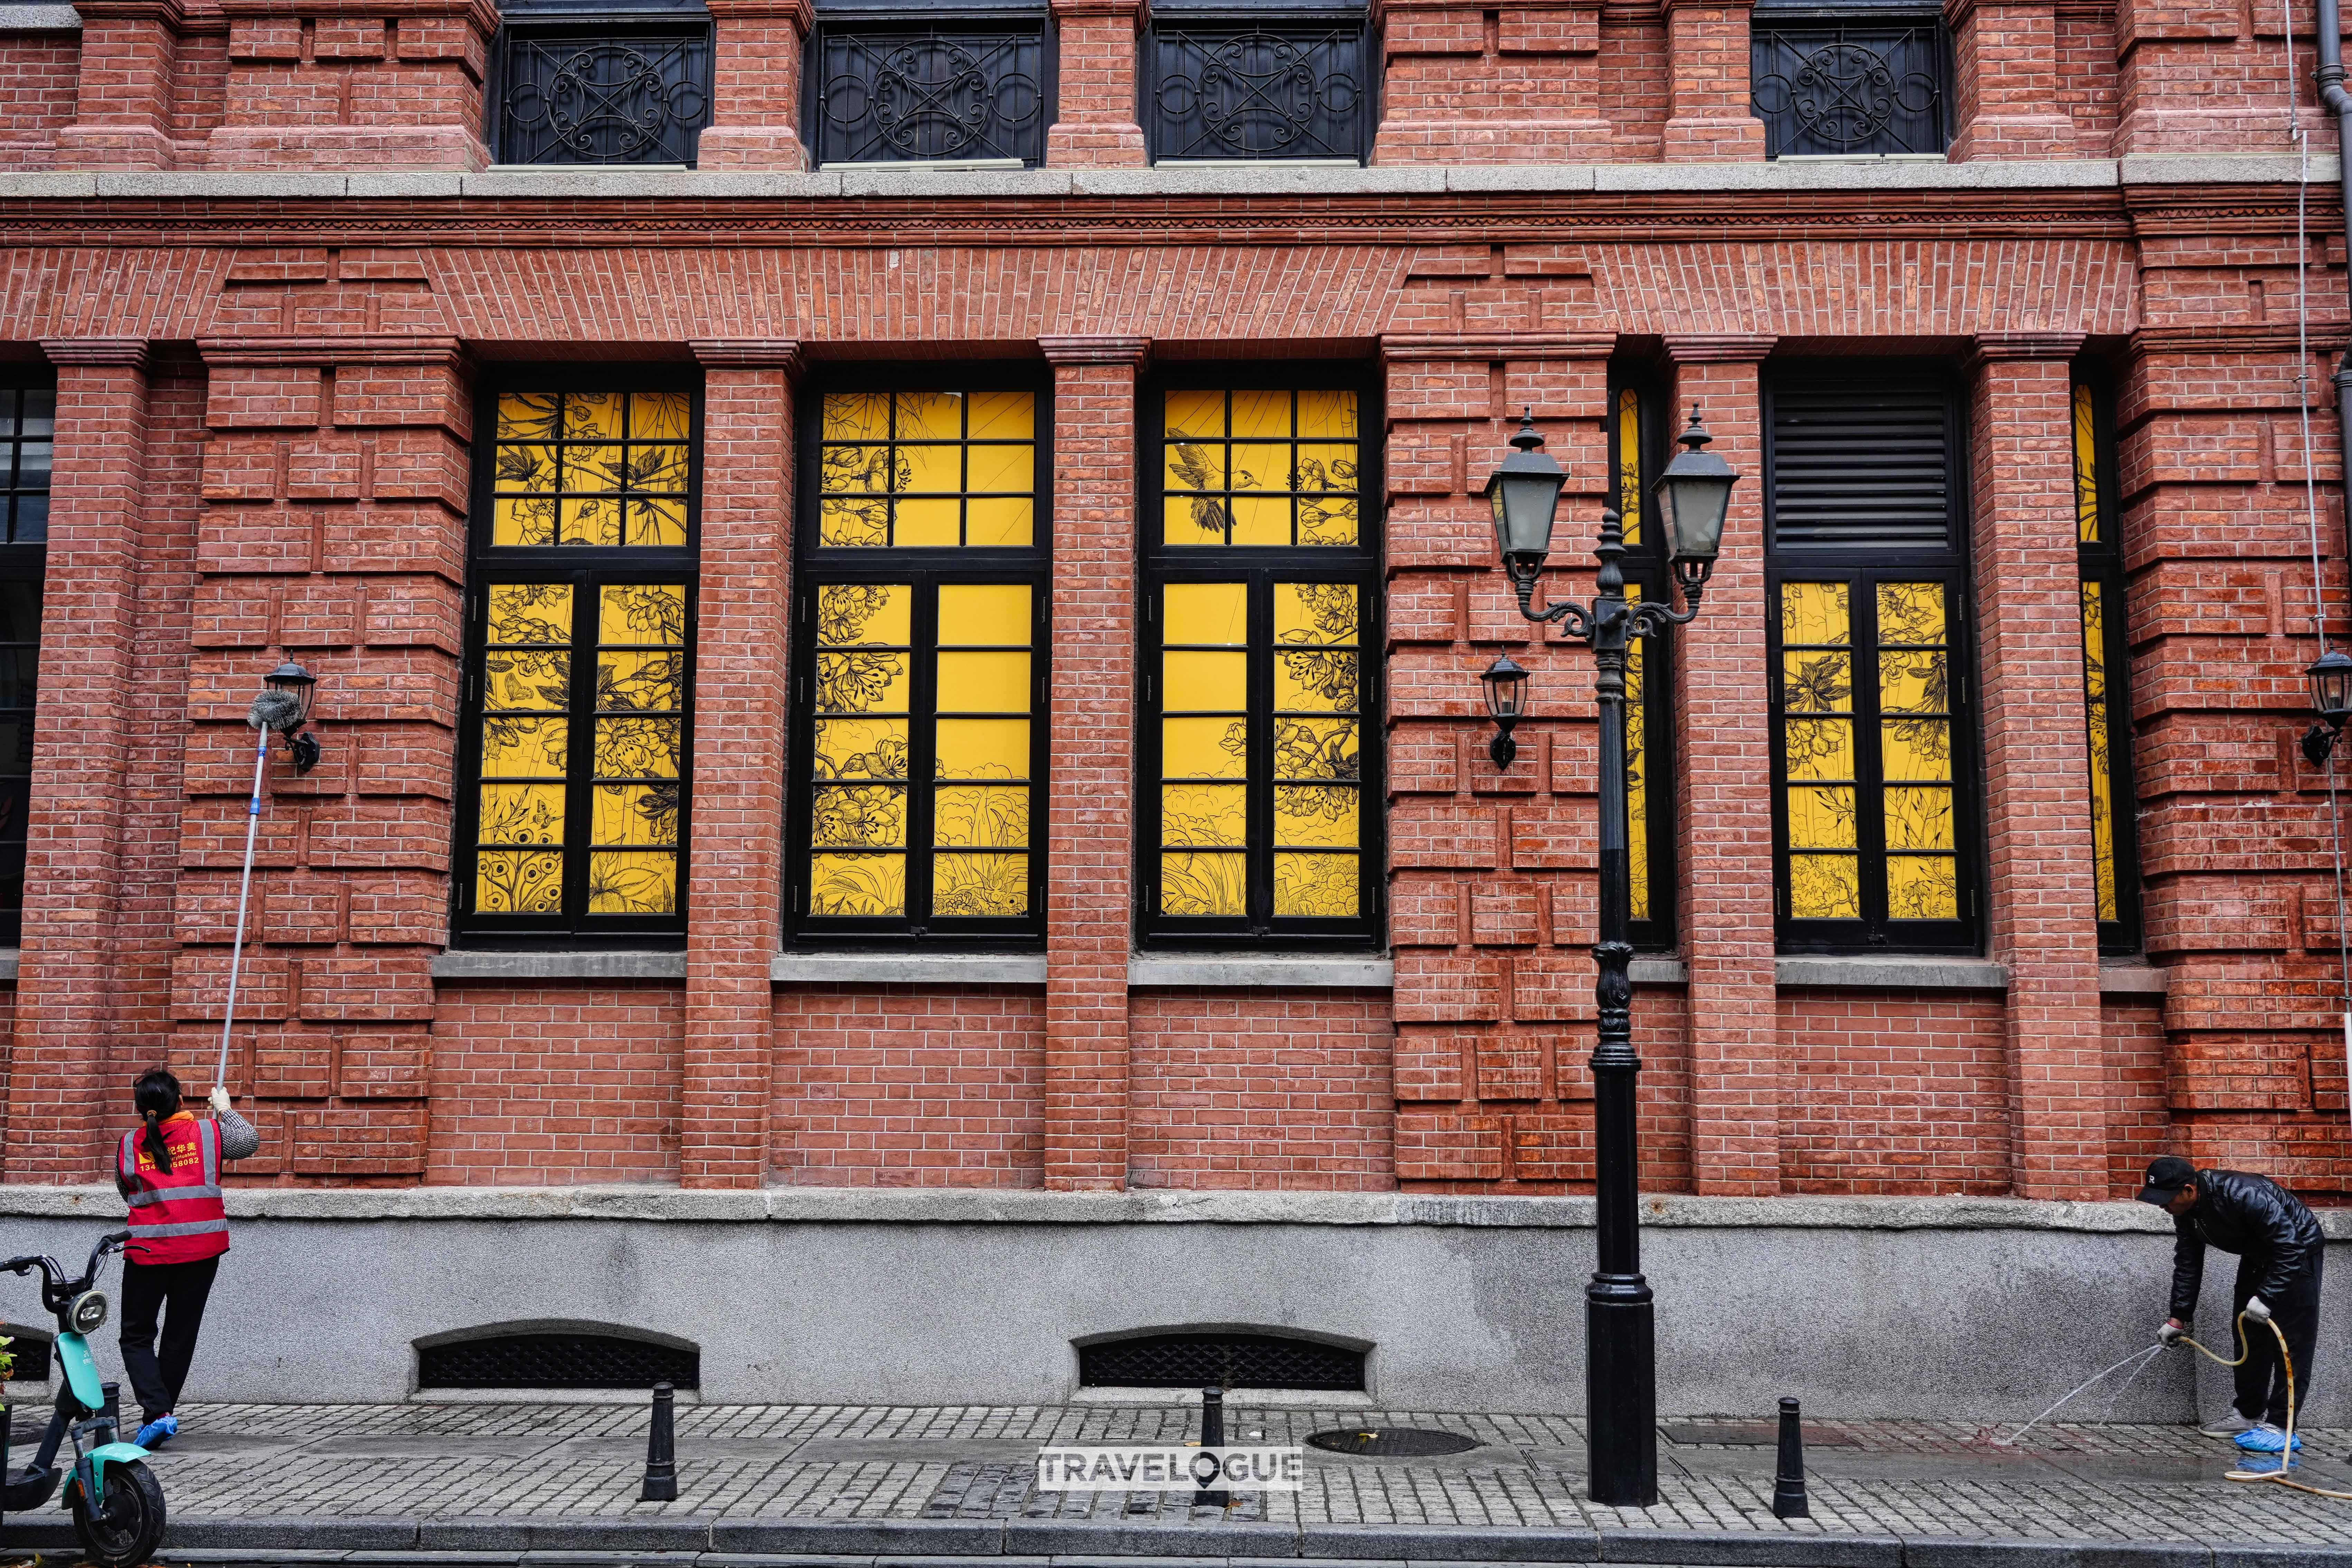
2042,906
1469,82
734,863
1090,826
61,1090
755,107
1710,119
1100,59
1723,735
335,487
122,106
2005,68
338,84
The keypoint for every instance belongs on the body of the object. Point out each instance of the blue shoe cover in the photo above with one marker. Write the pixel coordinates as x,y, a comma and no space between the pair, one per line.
2254,1465
158,1432
2265,1439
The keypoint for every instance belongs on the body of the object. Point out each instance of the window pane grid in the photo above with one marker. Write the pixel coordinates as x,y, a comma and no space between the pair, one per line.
1258,468
640,717
591,468
521,816
859,763
2105,712
927,469
28,428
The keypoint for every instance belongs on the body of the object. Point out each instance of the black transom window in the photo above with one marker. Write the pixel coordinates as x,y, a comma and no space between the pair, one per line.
632,88
1633,444
2107,668
1235,83
27,437
575,754
1854,82
961,89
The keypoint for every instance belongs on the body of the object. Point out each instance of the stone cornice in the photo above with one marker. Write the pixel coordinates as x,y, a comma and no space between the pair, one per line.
2237,338
483,14
1720,348
1096,350
171,12
359,348
1139,10
747,353
1405,347
130,354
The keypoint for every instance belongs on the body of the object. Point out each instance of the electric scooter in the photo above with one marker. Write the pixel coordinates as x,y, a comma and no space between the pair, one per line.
116,1503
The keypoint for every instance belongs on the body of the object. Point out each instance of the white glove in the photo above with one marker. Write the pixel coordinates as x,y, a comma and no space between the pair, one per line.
220,1101
2172,1334
2258,1310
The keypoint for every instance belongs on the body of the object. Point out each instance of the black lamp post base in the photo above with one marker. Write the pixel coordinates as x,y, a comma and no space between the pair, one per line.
1621,1402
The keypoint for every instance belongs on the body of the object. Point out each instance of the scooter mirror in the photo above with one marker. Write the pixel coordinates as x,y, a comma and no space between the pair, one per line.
87,1313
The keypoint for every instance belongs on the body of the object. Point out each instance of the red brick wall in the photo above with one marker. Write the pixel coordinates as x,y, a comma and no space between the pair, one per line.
38,74
1260,1089
900,1087
540,1085
1894,1093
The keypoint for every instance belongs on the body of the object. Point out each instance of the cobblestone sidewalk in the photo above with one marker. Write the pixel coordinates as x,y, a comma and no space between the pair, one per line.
330,1463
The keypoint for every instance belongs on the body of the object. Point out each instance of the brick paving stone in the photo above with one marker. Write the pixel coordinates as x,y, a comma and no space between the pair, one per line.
1903,1478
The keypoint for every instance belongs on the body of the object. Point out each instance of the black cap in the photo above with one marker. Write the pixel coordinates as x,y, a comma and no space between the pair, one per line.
2166,1177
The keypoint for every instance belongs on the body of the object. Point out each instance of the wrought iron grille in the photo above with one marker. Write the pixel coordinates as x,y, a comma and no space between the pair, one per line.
556,1360
1848,88
602,97
896,95
1207,1360
1246,90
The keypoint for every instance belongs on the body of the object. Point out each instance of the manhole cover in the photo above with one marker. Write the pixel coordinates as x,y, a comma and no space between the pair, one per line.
1395,1442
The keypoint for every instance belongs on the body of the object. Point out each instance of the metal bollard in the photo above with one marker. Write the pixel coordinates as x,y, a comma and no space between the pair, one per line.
661,1449
1789,1485
1212,1436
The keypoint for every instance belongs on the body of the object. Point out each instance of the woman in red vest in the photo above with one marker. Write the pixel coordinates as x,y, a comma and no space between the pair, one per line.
169,1172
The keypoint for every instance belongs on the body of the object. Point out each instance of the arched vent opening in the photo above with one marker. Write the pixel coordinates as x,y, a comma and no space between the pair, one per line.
551,1355
1221,1358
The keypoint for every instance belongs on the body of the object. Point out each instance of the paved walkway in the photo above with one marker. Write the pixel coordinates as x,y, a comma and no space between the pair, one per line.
959,1482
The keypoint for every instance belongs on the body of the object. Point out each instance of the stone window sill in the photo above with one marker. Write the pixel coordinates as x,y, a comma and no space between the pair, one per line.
514,968
2116,977
39,20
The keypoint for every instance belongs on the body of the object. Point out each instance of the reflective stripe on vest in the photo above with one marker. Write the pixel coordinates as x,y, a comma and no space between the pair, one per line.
176,1215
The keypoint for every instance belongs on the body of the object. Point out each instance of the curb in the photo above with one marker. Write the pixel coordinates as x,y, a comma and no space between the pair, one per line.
495,1543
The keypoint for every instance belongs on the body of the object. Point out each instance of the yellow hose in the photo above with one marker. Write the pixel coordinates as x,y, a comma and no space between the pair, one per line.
2287,1454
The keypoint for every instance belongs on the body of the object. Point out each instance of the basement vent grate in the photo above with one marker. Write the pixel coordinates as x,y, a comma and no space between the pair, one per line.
556,1360
1393,1442
1215,1359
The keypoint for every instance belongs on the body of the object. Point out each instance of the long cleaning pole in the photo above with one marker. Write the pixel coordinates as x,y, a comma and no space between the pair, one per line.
244,887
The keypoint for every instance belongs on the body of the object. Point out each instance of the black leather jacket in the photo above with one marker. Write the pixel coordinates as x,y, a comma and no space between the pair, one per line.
2253,1216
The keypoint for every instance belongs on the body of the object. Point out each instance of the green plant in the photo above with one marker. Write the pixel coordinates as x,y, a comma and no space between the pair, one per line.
7,1358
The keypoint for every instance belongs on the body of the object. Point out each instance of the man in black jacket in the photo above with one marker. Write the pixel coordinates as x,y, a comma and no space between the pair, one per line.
2280,1249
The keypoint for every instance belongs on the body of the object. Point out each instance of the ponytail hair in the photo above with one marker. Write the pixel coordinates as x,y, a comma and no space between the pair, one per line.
157,1096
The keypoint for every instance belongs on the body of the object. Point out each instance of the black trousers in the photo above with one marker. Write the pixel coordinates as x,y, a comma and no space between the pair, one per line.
147,1289
2262,1382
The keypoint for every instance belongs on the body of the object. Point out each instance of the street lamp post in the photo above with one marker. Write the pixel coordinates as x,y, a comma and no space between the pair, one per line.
1620,1350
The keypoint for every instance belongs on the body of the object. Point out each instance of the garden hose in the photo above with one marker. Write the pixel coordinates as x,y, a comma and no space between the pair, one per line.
2286,1452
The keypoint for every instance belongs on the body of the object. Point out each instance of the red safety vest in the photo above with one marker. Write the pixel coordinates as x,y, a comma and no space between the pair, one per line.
176,1215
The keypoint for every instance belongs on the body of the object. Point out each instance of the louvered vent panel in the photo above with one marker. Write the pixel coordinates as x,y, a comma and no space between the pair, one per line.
1867,467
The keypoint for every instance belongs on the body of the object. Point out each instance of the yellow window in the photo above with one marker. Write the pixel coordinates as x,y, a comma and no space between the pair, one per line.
927,471
1260,468
595,468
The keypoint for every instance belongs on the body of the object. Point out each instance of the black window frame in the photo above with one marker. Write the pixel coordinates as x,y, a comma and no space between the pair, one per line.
1863,570
1268,17
2103,562
588,568
522,25
22,560
1260,566
835,18
1645,567
926,568
1831,24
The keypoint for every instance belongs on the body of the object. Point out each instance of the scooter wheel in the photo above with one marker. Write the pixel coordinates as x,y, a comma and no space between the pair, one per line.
129,1525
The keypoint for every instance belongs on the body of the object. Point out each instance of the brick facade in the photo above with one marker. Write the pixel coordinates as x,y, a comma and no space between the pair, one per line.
266,352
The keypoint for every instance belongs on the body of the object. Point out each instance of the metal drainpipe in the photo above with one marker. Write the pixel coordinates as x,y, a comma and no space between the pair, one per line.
2339,102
